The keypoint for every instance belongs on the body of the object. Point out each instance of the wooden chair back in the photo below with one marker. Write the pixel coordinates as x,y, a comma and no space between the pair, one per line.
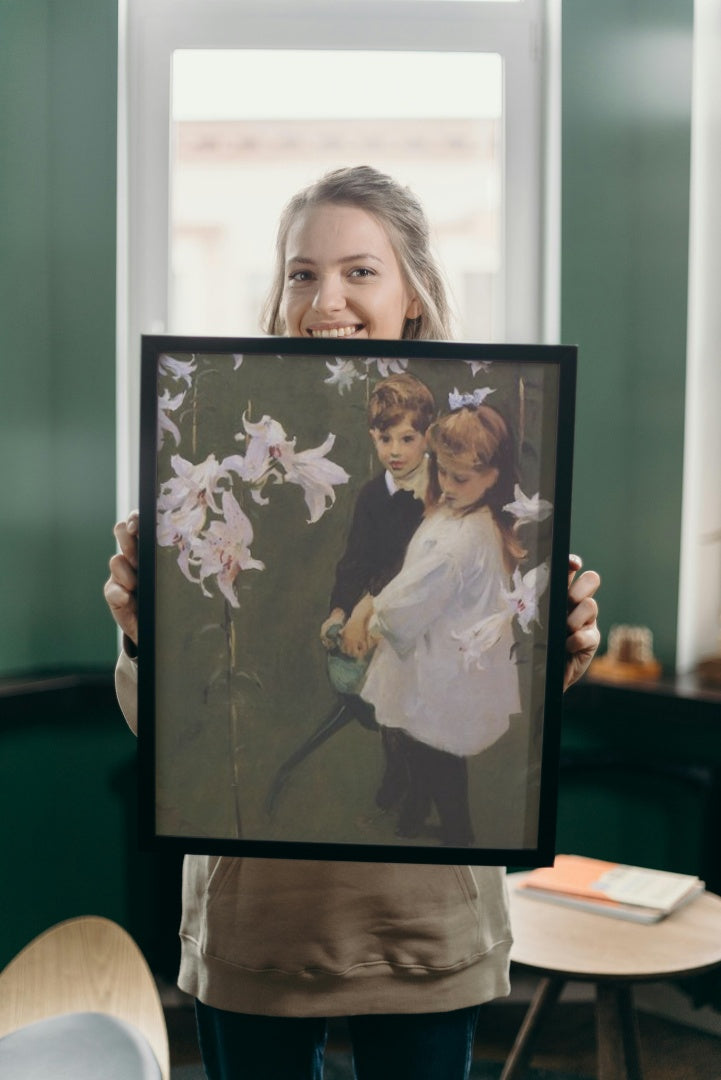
87,964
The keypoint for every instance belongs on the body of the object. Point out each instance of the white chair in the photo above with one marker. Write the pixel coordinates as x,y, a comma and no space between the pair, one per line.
80,1002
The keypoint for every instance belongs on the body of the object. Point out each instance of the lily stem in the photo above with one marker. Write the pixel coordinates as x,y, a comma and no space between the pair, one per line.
233,719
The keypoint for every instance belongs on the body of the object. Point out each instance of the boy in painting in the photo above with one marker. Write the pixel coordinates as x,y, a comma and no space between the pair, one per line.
388,511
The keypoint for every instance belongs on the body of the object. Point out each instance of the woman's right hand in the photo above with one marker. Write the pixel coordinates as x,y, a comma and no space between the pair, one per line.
121,587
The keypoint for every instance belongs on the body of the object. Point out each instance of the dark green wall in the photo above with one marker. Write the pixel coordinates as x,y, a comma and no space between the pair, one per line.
68,803
57,326
66,759
641,778
625,200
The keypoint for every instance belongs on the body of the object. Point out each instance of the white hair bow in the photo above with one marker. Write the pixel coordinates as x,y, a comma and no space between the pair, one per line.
457,400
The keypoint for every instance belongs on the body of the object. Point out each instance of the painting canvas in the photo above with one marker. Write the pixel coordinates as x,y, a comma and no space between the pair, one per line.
277,718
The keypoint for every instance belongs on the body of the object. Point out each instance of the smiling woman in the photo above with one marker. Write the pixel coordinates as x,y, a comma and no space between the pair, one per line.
353,259
290,938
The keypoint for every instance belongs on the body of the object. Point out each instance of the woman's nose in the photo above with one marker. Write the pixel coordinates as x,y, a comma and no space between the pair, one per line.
329,295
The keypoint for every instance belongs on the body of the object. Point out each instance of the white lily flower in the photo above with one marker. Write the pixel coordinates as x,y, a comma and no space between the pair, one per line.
267,444
526,509
266,430
270,451
527,590
387,366
479,365
180,534
316,475
168,404
342,374
178,369
224,549
188,495
481,637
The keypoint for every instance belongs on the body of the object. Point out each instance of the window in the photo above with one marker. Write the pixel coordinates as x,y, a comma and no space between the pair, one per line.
236,159
227,105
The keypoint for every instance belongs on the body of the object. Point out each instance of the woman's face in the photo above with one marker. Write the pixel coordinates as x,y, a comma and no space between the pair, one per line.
461,483
342,277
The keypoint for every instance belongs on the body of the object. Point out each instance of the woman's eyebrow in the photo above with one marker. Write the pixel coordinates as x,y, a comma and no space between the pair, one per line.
360,257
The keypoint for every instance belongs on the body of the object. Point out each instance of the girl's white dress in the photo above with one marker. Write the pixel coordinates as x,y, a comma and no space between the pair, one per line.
452,577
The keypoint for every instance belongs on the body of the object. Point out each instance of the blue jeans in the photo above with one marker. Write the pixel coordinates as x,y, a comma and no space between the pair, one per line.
414,1046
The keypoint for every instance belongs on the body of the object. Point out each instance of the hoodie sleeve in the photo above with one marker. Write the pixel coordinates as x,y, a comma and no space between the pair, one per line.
126,689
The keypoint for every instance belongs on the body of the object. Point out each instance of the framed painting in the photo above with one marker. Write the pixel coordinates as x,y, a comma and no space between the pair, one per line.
352,602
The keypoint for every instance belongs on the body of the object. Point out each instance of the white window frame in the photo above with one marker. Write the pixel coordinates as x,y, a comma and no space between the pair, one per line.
699,598
526,34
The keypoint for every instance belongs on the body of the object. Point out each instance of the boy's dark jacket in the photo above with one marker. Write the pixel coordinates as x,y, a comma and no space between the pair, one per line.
380,531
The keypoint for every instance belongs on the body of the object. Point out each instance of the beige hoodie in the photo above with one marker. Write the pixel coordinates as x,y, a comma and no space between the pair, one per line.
286,937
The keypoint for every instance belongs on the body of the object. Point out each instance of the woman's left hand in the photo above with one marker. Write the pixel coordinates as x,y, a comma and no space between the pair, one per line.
583,637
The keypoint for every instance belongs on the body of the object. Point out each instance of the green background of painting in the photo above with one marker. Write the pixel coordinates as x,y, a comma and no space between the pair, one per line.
279,687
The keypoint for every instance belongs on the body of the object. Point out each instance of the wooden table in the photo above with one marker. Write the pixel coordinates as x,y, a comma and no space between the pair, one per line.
563,944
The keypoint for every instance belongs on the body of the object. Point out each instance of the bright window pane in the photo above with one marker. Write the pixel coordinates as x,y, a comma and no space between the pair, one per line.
469,1
252,127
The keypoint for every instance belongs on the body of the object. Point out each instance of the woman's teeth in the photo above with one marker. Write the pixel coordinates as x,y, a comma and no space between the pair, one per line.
336,332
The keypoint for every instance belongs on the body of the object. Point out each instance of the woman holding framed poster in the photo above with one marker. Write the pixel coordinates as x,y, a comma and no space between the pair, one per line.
272,947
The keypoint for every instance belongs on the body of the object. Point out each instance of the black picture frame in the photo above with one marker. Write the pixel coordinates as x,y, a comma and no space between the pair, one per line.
253,454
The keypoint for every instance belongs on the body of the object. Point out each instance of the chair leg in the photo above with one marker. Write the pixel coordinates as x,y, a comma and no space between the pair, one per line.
545,997
617,1033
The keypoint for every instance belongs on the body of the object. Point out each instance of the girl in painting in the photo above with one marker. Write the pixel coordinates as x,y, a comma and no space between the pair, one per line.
456,570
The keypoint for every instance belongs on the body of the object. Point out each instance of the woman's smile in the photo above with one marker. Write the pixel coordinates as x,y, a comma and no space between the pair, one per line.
335,331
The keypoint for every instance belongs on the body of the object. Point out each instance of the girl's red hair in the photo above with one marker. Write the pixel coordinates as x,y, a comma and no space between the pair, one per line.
479,435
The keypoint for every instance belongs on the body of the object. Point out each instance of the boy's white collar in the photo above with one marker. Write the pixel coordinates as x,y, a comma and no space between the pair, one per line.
416,482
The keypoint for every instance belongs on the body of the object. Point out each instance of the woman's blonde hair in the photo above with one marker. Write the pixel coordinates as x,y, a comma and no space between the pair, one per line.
402,216
479,436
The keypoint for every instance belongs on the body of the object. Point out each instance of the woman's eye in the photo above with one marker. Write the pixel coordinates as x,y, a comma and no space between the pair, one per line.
361,272
299,276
